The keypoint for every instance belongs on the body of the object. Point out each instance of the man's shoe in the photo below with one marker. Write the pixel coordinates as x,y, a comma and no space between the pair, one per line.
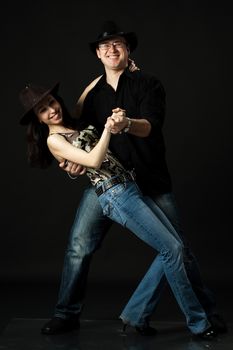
218,324
208,334
59,325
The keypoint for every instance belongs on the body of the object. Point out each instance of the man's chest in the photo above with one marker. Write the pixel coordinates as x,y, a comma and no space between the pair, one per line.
106,101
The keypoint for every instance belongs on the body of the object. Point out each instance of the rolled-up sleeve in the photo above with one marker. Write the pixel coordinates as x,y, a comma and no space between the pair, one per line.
153,103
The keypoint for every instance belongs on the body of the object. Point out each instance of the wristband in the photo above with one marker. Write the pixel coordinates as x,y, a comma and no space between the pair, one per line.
126,129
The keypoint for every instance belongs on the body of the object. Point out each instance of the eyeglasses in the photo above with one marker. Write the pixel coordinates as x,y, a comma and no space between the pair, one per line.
115,44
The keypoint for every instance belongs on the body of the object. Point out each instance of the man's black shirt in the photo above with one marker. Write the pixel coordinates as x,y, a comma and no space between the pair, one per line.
142,96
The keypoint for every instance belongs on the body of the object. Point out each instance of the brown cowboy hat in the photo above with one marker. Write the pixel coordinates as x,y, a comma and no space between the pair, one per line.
30,95
111,30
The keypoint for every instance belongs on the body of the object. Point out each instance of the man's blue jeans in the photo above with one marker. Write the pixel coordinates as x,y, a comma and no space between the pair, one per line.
87,233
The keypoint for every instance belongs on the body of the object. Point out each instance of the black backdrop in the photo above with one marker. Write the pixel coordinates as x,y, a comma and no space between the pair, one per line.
188,45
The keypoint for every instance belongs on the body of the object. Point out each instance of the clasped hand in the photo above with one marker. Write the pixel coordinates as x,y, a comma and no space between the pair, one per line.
115,124
118,120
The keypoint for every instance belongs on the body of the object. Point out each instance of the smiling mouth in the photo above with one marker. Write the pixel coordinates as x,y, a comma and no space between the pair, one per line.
54,115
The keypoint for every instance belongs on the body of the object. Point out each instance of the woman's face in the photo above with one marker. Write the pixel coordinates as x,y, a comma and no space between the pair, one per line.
49,111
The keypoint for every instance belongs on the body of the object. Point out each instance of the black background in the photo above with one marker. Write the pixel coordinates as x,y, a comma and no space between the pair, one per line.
188,45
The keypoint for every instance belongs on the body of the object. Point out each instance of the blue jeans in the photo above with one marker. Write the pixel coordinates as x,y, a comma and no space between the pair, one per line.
87,233
125,204
146,296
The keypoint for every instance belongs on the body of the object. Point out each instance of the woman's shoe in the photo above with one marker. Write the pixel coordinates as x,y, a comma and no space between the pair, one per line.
208,334
218,324
145,330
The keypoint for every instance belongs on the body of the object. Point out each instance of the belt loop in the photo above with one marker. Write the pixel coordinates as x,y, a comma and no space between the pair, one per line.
103,187
100,189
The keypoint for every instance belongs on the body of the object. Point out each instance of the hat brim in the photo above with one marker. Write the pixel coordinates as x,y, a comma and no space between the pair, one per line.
28,115
131,39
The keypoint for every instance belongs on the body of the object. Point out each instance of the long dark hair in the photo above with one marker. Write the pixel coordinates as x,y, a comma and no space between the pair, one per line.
38,153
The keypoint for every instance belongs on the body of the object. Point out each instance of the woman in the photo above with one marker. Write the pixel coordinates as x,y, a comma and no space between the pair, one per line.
53,133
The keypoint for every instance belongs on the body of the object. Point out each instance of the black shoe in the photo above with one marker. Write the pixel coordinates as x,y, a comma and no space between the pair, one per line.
59,325
208,334
218,324
145,330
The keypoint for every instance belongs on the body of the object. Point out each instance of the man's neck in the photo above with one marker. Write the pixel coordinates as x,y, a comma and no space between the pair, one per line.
112,77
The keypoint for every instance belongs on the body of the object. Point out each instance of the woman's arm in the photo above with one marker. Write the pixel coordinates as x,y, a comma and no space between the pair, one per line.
79,104
62,149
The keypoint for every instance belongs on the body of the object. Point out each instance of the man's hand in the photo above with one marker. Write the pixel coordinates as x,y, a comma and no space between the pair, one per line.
72,168
120,120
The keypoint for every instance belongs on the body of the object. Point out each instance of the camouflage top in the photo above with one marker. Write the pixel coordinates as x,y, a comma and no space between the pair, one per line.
86,140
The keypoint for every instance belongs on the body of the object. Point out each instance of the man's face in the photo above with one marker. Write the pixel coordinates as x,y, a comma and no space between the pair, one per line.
113,53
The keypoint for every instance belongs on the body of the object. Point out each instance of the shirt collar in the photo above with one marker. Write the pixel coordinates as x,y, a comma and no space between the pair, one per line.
126,73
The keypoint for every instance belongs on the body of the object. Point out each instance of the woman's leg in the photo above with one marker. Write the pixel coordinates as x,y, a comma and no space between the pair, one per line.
167,203
146,296
124,204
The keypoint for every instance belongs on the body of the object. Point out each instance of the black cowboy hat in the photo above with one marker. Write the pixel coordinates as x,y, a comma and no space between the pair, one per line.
30,96
111,30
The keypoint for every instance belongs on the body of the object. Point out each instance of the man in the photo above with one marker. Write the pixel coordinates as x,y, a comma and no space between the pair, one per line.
137,102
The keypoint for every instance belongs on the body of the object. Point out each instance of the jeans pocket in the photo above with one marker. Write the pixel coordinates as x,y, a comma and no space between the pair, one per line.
110,208
105,204
107,209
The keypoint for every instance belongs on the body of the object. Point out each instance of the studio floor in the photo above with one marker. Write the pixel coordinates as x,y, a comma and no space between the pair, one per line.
27,306
22,334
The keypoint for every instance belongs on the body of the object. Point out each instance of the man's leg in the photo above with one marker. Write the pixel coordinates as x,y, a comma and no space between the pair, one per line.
87,233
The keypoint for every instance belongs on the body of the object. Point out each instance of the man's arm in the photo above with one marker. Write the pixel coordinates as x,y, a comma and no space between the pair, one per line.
139,128
73,169
152,111
122,123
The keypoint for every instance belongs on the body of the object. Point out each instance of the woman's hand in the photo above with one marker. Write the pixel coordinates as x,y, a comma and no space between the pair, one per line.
119,119
109,124
132,65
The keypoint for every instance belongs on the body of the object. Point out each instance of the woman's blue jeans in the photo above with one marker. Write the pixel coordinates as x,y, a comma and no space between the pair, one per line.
125,204
87,233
